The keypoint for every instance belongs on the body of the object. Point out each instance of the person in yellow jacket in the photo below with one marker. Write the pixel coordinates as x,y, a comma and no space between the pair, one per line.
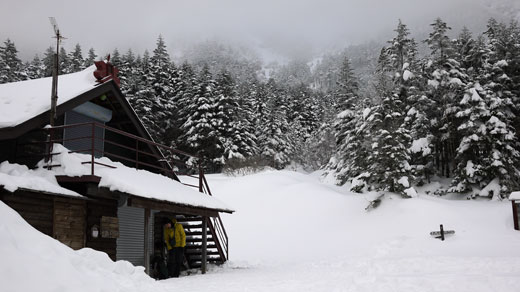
175,240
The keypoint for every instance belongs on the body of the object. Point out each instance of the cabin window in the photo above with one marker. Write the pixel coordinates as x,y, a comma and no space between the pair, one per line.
80,138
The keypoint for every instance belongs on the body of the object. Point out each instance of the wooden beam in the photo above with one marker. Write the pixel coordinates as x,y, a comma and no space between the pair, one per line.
77,179
139,202
204,244
146,241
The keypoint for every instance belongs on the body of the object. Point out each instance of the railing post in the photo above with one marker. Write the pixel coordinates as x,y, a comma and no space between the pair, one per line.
204,243
201,175
93,148
48,149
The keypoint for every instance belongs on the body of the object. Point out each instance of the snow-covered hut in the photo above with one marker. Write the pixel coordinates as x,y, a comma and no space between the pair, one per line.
98,179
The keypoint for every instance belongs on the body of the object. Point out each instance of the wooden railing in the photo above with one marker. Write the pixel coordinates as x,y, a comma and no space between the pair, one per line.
138,156
216,225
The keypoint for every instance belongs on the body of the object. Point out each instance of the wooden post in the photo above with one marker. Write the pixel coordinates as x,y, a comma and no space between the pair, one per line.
204,244
93,145
442,233
515,214
146,241
201,175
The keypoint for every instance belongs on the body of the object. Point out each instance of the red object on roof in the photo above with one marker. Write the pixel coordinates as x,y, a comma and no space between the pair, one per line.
106,71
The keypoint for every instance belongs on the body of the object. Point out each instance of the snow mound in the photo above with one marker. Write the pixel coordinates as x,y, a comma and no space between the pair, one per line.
32,261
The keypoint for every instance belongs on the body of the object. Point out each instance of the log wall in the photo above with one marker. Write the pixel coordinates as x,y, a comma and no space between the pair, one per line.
95,210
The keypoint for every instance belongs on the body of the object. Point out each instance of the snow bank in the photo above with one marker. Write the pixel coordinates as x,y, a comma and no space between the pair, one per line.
32,261
293,233
16,176
133,181
21,101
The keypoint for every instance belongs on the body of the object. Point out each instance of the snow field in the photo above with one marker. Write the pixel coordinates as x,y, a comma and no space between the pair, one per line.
293,233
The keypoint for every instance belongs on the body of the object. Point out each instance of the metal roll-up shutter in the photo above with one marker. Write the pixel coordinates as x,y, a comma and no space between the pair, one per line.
130,244
84,132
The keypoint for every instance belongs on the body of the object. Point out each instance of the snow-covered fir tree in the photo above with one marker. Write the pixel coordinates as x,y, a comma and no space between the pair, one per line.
11,69
91,58
77,62
36,68
64,62
200,129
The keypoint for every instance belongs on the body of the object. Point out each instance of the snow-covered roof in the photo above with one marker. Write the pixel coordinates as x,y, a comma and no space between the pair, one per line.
16,176
133,181
514,196
21,101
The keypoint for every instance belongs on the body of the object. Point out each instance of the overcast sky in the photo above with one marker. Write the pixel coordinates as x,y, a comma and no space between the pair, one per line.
284,26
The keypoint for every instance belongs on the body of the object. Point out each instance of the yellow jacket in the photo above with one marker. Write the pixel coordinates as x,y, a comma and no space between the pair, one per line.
176,232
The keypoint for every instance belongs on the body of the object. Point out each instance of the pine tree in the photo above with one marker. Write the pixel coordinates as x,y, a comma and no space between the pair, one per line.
272,125
439,42
346,99
36,68
464,46
402,50
164,82
346,87
470,168
10,64
200,131
76,60
64,61
128,74
446,85
91,58
237,141
115,58
48,61
388,167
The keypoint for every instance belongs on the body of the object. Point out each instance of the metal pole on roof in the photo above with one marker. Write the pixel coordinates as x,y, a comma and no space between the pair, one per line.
54,93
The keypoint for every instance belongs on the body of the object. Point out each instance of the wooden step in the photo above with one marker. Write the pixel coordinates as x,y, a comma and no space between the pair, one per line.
189,219
192,226
199,246
198,252
198,239
195,233
198,258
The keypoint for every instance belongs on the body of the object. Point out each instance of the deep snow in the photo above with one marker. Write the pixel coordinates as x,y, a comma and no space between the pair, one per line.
293,233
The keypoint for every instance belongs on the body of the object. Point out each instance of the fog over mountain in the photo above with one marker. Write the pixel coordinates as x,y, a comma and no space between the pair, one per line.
277,28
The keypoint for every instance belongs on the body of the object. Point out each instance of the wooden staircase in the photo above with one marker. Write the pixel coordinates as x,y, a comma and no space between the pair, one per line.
217,249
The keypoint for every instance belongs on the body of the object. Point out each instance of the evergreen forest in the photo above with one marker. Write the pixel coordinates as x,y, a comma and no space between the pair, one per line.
383,118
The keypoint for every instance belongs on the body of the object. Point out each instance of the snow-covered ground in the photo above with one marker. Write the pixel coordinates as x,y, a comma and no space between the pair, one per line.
293,233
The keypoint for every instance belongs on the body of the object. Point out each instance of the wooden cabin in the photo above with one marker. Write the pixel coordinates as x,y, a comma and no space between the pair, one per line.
110,183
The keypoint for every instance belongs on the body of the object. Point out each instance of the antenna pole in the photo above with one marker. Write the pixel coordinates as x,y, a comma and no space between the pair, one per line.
54,90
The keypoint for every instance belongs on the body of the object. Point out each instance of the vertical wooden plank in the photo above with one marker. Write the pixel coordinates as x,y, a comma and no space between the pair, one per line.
201,175
204,243
146,241
85,225
54,235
